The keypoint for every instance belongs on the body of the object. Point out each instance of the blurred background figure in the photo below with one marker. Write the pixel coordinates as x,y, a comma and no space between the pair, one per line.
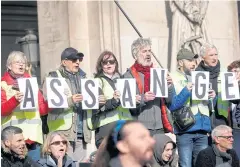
128,144
235,109
164,152
13,149
54,151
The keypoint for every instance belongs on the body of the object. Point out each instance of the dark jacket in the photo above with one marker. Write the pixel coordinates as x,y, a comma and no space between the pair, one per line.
49,162
115,162
161,141
207,158
149,113
10,160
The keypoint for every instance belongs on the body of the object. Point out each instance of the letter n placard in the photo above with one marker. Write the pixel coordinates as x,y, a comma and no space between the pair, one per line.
90,93
29,87
158,82
229,86
55,92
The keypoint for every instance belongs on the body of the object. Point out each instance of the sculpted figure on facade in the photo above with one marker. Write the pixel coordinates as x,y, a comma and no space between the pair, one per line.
189,27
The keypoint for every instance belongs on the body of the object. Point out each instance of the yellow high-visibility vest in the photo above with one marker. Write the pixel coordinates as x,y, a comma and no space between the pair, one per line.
60,119
105,118
28,120
180,82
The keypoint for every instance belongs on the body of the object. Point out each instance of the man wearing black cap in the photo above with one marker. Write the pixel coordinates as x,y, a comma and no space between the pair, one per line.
192,138
71,121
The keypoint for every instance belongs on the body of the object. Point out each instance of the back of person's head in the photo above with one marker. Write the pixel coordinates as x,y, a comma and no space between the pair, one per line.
13,140
124,139
164,150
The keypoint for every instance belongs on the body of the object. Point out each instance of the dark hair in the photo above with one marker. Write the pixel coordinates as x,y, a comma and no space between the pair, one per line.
235,64
10,130
108,149
99,69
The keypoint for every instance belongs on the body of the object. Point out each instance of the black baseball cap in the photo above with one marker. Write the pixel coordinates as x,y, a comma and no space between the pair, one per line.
186,54
71,54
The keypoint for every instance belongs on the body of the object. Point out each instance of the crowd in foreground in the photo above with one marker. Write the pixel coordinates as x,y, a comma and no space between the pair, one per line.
124,137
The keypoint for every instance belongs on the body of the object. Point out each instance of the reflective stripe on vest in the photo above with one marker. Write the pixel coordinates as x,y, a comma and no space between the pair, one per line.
58,118
222,105
111,116
28,120
180,82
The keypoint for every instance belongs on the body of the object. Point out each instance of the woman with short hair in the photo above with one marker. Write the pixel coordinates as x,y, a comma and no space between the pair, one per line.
54,151
11,97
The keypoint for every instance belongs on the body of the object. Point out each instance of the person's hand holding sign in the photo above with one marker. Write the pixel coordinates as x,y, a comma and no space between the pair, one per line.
169,80
19,96
138,99
116,95
101,99
189,86
77,98
148,96
211,93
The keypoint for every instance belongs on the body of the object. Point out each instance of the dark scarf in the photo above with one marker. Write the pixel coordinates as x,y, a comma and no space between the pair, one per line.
221,157
213,73
15,77
146,72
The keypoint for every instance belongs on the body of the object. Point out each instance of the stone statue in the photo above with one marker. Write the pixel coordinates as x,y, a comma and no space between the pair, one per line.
188,26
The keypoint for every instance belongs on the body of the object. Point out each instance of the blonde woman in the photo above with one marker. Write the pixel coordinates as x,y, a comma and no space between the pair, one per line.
11,97
54,150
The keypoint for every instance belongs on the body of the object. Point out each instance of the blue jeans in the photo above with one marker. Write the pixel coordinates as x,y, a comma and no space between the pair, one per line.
34,151
189,145
236,142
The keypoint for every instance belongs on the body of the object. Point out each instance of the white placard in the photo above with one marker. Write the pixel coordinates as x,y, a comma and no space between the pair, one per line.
200,80
90,93
229,86
55,92
127,89
158,82
29,87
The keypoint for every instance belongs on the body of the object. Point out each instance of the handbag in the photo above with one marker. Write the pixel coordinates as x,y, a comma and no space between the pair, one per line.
183,118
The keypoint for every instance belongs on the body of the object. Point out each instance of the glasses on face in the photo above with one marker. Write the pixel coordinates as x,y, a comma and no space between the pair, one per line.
226,137
75,60
56,143
19,62
105,62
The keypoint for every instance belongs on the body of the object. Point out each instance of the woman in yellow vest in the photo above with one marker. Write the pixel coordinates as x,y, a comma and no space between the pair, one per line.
103,119
28,120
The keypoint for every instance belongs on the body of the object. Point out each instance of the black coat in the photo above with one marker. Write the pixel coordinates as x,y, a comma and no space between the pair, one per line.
9,160
207,158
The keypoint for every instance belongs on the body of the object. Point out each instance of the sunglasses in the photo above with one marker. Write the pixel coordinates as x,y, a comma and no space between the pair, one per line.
105,62
75,60
56,143
227,137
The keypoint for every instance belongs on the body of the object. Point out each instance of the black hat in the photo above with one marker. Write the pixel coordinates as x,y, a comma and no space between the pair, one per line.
186,54
71,54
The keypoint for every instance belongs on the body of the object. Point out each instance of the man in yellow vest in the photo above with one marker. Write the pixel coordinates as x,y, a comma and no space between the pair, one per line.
194,138
210,63
71,121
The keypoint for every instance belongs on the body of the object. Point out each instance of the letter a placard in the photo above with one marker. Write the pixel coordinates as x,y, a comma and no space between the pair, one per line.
229,86
158,82
29,88
200,82
90,93
55,92
127,89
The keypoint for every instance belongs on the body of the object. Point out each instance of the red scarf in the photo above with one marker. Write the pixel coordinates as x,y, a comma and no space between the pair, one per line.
146,72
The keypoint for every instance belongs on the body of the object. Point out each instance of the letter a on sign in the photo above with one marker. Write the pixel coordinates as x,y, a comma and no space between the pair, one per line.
127,89
229,86
90,93
200,82
56,93
158,82
29,87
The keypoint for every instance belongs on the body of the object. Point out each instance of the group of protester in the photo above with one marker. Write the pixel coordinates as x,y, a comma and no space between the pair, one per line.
124,137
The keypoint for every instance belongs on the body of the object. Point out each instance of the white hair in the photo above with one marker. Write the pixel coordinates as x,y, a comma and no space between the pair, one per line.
138,44
205,47
219,130
13,55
